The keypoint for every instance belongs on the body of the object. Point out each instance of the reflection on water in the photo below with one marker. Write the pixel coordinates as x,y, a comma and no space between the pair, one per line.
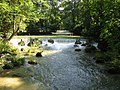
61,68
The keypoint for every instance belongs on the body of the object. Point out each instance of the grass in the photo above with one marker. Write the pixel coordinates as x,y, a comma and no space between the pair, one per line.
48,36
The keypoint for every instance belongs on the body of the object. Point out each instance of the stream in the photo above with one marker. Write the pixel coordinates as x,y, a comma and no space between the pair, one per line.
63,68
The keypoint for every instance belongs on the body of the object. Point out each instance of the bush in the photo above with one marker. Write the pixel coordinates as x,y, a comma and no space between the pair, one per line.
18,61
8,66
113,67
6,47
102,57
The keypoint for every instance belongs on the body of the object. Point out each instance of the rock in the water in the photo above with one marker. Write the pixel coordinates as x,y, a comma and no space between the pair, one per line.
39,54
76,45
51,41
83,44
21,43
77,42
34,43
77,49
22,49
34,62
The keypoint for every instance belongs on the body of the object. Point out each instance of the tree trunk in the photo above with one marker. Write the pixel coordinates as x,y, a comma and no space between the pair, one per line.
14,29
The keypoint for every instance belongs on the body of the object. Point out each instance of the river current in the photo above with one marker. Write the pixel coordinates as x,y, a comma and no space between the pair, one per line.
63,68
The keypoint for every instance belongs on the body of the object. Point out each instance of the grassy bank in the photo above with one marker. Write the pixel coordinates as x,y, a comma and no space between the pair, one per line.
48,36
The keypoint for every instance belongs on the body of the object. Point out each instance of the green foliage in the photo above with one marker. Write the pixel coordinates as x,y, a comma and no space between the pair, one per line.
12,61
18,61
113,66
15,15
5,48
102,57
8,65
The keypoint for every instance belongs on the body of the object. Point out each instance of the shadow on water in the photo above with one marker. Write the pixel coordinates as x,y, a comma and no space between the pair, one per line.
62,68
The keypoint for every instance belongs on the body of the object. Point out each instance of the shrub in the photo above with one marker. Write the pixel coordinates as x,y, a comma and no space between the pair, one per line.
113,67
6,47
8,66
102,57
18,61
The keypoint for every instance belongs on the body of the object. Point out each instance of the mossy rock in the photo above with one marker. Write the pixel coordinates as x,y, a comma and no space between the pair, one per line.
34,43
77,42
38,54
34,62
22,49
76,45
90,49
21,43
78,49
51,41
83,44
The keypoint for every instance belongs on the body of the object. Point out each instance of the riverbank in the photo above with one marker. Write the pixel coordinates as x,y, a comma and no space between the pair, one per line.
49,36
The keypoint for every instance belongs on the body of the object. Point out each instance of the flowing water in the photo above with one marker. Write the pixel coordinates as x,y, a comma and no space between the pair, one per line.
62,68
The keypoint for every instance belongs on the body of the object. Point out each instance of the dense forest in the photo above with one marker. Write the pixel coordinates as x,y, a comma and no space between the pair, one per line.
97,20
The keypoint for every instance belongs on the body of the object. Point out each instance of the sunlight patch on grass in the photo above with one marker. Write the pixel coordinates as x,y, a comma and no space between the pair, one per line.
9,82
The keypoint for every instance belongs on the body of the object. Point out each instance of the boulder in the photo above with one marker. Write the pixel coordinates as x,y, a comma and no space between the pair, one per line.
38,54
76,45
77,49
21,43
34,62
51,41
77,42
34,43
83,44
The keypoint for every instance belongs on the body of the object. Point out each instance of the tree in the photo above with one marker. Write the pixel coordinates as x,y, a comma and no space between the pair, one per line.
15,14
